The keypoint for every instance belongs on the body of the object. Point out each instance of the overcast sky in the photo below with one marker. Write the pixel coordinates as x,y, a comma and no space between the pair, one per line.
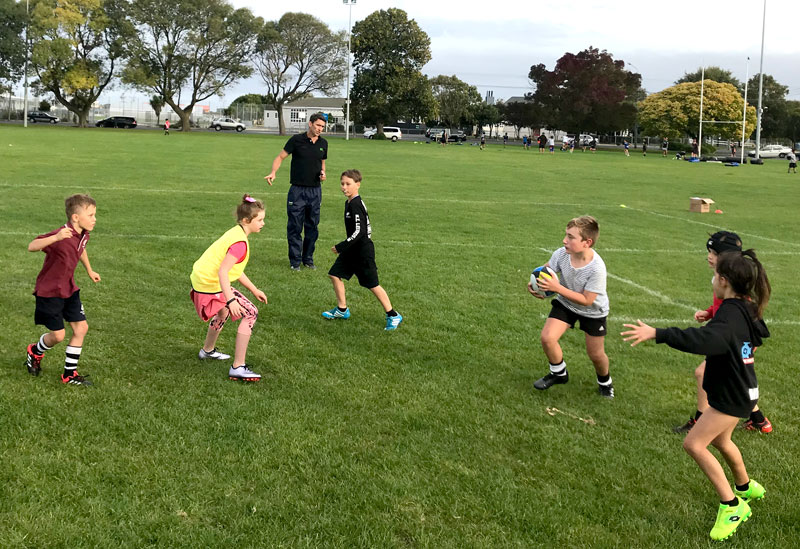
493,45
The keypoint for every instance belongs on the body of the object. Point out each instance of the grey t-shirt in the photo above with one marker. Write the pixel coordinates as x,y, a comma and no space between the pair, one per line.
591,277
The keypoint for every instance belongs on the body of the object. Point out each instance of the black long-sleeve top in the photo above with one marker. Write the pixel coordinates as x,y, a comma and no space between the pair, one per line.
728,341
359,231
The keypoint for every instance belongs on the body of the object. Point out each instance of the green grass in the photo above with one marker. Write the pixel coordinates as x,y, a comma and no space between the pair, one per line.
431,436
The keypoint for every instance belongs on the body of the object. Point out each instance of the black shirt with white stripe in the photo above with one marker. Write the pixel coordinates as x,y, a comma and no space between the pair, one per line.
358,228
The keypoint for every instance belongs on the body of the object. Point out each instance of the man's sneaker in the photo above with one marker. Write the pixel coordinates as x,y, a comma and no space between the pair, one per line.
243,373
33,361
310,265
606,391
729,518
686,427
213,354
392,322
294,267
549,380
75,379
336,313
763,427
754,491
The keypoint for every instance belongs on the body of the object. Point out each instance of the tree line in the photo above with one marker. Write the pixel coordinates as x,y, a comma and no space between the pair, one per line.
183,52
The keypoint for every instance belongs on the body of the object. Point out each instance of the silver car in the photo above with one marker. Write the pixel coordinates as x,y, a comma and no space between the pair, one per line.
771,151
219,124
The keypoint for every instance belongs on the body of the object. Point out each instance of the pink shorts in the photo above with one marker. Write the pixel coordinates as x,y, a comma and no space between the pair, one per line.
207,305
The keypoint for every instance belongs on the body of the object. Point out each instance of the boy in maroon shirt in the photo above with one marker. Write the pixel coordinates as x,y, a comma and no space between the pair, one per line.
57,295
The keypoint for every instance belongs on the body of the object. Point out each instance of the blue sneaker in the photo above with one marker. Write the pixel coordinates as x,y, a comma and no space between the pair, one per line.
336,313
392,322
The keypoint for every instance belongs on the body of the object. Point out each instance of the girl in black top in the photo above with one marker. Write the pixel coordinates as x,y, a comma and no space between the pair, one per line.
728,341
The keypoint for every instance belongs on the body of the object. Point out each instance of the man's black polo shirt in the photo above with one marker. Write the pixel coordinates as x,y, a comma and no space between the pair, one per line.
307,159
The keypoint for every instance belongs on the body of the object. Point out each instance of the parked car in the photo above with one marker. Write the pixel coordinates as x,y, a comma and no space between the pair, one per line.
38,116
117,122
434,133
456,136
391,132
220,124
771,151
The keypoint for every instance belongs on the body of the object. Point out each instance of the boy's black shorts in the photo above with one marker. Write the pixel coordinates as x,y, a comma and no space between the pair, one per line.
51,312
363,266
592,326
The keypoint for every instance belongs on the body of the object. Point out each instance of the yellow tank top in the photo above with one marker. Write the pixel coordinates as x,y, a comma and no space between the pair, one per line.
205,272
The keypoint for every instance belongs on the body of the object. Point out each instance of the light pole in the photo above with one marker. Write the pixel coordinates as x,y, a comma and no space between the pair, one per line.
25,98
760,83
744,111
349,37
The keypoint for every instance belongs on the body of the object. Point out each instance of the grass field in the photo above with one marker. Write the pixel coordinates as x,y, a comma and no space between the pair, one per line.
431,436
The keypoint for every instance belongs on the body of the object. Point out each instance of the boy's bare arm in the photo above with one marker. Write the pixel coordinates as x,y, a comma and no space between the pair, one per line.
38,244
85,260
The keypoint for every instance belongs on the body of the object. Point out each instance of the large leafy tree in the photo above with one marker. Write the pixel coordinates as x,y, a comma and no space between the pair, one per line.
675,111
299,55
714,73
485,115
389,51
189,50
522,114
456,100
12,45
587,91
776,109
77,46
792,126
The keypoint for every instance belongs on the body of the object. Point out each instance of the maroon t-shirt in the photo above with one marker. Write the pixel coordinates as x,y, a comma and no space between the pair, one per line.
56,279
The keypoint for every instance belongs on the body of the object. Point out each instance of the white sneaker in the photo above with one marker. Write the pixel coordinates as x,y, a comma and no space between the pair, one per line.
243,373
213,353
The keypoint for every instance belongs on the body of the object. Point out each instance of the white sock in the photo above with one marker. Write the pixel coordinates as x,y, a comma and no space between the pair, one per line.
559,369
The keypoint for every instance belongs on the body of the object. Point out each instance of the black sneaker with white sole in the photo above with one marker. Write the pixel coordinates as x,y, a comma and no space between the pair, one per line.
606,391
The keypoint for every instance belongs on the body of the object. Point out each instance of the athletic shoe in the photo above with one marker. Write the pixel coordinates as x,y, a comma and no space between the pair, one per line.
686,427
33,361
392,322
213,353
243,373
549,380
606,391
294,267
76,379
310,265
336,313
763,427
754,491
729,518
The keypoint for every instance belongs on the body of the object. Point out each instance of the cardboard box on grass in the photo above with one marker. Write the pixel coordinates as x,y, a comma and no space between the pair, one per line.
700,205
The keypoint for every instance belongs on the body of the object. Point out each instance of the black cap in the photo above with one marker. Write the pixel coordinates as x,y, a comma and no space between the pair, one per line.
724,241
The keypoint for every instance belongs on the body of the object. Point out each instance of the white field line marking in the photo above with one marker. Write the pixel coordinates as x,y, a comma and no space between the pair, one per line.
688,322
715,227
652,292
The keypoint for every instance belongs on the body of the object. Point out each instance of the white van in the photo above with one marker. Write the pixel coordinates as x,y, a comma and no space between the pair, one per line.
391,132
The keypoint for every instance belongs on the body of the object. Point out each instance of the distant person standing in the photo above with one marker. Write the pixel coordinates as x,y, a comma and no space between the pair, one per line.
542,141
695,149
551,142
593,144
166,126
664,146
483,141
525,142
644,148
627,147
505,139
792,158
733,148
309,151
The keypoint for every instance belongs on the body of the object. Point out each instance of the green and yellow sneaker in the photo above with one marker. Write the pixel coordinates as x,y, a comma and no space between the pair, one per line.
729,518
754,491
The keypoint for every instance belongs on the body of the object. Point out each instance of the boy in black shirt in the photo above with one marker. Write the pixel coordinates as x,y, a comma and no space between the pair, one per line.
356,255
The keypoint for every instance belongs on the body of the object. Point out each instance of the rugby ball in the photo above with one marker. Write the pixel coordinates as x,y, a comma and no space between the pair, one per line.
542,272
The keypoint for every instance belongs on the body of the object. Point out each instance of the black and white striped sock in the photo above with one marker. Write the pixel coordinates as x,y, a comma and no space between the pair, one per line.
559,369
41,346
71,361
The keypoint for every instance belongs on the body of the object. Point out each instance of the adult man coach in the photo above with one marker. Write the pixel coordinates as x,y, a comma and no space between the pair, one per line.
309,151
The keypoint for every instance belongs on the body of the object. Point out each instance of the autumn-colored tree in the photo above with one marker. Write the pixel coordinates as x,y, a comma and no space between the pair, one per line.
76,48
717,74
587,91
675,111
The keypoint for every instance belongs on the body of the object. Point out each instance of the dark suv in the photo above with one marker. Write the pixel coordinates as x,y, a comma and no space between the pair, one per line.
117,122
37,116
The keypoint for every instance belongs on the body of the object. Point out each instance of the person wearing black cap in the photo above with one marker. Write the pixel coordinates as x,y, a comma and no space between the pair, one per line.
717,243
